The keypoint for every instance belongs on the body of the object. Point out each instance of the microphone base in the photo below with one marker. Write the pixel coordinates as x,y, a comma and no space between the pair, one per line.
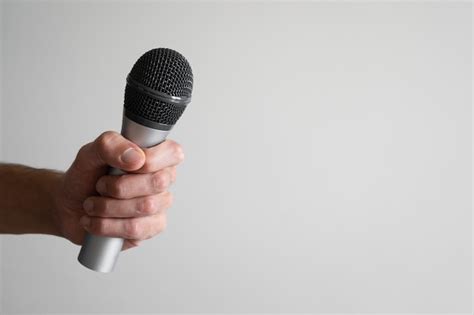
101,254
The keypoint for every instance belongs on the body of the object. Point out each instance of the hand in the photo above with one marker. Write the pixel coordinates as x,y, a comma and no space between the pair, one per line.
131,206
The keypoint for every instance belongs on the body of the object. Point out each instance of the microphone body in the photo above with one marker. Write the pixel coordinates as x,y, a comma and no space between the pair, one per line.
158,89
100,253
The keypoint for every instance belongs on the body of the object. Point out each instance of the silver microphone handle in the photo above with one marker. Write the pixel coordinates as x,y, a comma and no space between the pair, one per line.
100,253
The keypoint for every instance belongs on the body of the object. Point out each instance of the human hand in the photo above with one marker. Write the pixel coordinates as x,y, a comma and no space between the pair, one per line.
131,206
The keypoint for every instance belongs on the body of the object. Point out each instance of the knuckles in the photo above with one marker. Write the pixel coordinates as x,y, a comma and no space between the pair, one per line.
118,188
99,227
148,206
153,204
83,150
171,149
104,145
126,187
132,229
136,228
106,139
177,150
144,206
160,181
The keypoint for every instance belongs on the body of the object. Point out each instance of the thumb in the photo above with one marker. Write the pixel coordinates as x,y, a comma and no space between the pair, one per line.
92,162
110,149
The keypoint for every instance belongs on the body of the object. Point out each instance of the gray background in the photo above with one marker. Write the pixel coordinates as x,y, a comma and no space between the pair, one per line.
328,152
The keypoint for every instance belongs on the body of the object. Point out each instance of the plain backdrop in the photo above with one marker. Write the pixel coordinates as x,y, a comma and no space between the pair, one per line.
328,154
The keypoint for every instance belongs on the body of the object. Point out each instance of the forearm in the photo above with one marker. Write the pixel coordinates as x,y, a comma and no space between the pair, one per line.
27,199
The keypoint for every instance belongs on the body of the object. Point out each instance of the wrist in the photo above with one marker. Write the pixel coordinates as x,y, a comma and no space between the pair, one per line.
52,191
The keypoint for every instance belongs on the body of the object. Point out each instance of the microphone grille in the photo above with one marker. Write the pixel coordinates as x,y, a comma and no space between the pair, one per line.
164,70
154,110
161,71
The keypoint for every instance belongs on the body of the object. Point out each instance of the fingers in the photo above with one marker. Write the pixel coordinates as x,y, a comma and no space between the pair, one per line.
139,228
131,206
110,148
136,185
168,153
137,207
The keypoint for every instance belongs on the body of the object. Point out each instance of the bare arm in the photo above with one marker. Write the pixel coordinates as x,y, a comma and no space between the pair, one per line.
27,199
85,198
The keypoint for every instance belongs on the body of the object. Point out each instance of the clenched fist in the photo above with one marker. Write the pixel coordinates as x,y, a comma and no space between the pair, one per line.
131,206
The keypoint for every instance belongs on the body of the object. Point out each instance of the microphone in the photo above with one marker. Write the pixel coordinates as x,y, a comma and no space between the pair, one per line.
158,89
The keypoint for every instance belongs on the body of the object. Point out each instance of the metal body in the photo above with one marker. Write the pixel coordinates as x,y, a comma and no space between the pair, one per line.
100,253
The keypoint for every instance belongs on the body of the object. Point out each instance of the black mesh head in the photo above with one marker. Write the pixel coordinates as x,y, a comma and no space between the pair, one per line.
159,86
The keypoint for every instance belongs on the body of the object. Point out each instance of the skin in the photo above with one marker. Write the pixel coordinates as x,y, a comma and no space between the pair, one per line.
84,198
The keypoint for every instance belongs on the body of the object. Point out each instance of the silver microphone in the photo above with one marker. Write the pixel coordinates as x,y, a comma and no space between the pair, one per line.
158,89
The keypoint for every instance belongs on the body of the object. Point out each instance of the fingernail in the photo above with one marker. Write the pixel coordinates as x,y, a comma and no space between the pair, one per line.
88,205
131,156
85,221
